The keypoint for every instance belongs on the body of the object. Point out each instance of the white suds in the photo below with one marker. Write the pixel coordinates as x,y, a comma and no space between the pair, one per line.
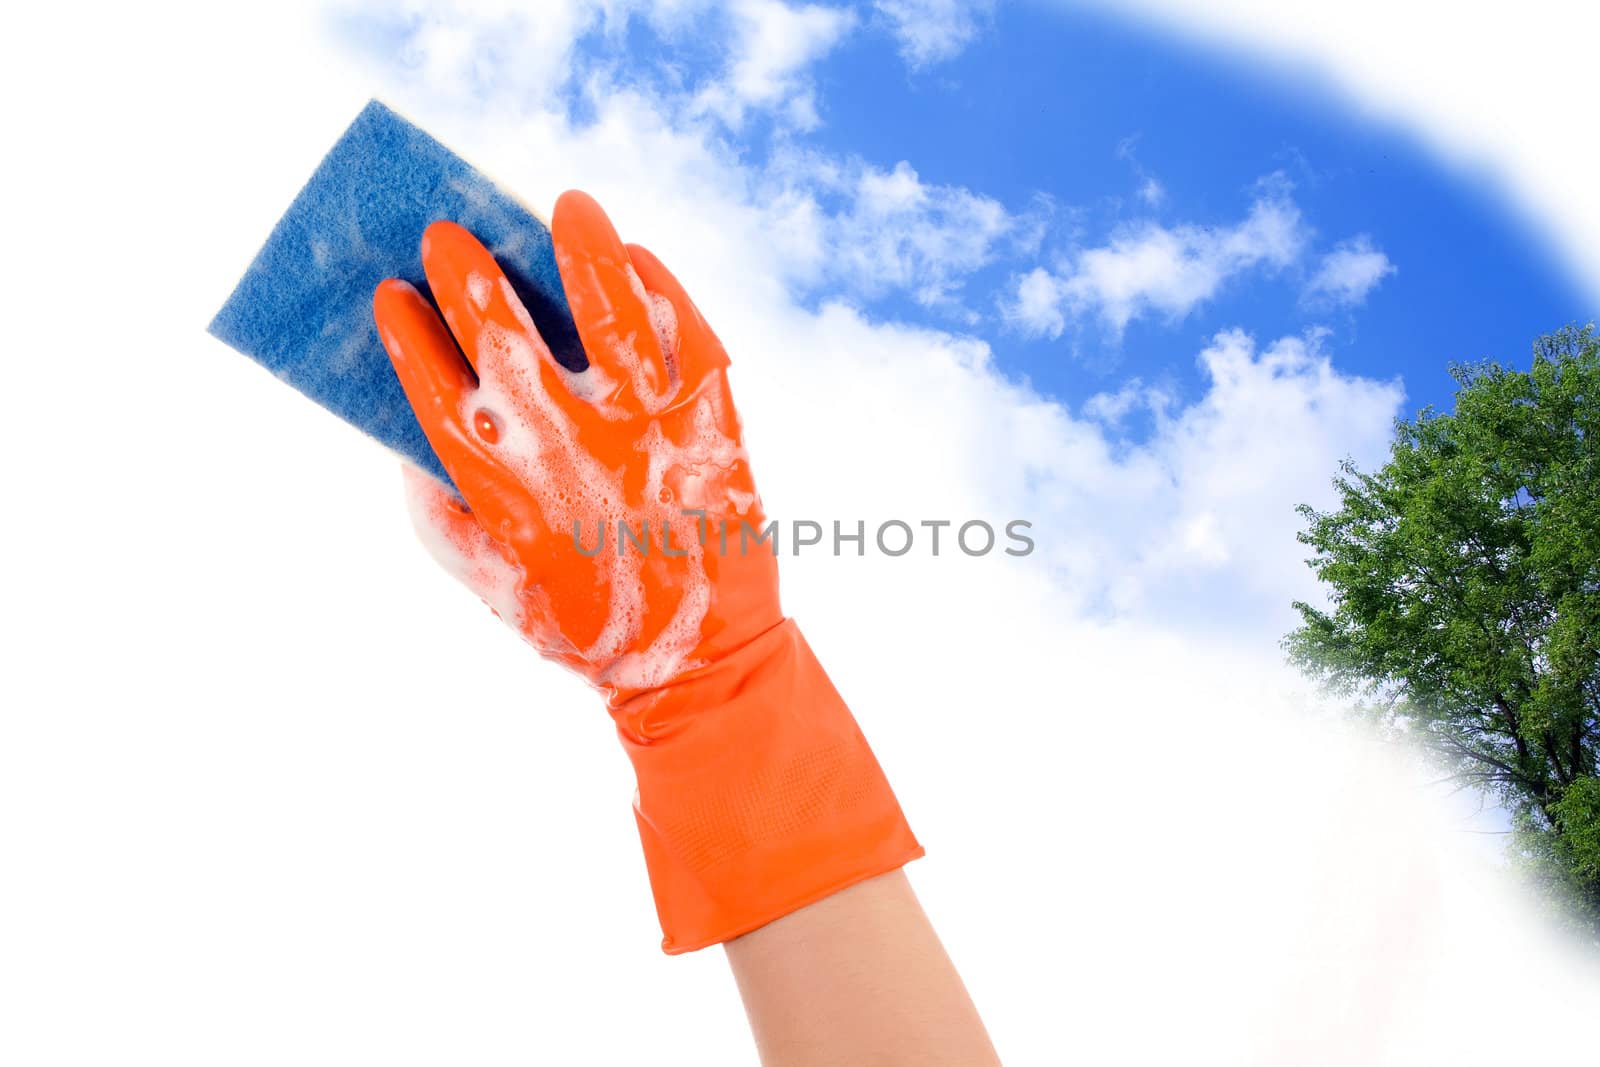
555,479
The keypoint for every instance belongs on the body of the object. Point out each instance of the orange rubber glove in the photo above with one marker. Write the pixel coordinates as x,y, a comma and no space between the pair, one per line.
757,794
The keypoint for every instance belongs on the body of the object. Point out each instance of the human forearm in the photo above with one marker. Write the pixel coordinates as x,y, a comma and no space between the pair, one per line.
858,977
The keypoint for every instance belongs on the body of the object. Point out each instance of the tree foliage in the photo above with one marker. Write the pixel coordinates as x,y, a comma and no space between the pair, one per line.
1464,597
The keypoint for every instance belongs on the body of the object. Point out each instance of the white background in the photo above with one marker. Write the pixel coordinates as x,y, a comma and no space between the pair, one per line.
273,790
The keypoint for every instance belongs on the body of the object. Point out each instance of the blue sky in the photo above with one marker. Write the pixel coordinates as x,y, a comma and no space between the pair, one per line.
1008,116
1218,284
1064,118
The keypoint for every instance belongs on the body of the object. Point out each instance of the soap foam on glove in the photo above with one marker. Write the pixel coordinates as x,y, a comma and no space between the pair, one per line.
303,309
757,793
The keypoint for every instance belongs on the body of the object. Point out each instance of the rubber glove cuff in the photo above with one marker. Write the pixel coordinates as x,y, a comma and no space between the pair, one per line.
757,793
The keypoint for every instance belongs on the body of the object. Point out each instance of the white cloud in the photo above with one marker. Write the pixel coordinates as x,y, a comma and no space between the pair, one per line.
1152,268
1266,435
874,231
830,221
1150,192
1348,273
1112,408
773,46
1190,524
461,49
934,30
1037,307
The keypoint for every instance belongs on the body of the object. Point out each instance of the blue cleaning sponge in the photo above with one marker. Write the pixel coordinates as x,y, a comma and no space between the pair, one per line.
304,308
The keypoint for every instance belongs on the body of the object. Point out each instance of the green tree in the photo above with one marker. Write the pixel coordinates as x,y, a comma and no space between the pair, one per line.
1464,599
